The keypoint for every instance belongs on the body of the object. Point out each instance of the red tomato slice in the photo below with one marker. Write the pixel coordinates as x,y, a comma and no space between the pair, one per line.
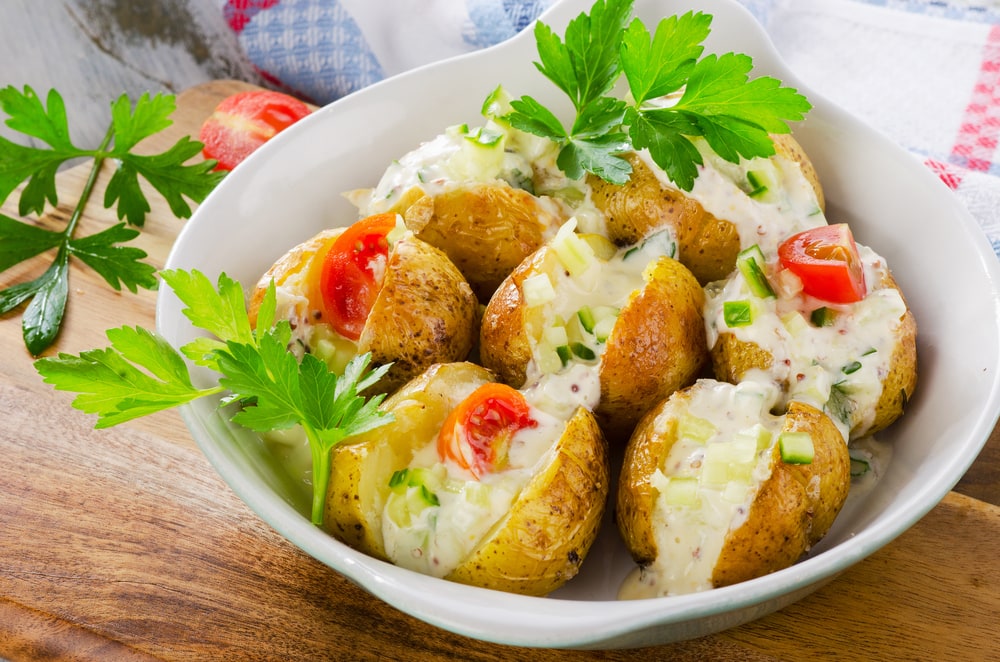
477,433
244,121
352,272
826,260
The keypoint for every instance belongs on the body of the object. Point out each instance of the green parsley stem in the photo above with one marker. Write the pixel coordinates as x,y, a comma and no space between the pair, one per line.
88,187
321,473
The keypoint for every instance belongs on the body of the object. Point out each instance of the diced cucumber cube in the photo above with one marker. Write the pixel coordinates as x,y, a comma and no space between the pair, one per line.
763,181
794,323
736,491
681,492
574,253
823,316
796,447
603,247
695,428
537,290
603,328
751,262
555,336
548,359
737,313
758,434
587,320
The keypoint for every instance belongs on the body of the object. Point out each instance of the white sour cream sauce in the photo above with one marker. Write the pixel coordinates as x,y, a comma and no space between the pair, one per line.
689,538
606,283
451,159
291,304
443,536
790,207
854,352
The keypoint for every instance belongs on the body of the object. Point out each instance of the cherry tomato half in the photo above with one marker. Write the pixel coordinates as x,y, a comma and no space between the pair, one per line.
244,121
826,260
352,272
477,433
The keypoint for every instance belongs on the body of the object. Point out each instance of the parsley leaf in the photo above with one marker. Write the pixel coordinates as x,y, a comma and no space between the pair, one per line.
19,241
141,373
34,169
587,65
676,95
138,375
118,265
660,67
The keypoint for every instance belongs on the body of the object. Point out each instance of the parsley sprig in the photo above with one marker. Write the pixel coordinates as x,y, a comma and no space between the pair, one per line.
141,373
105,252
674,94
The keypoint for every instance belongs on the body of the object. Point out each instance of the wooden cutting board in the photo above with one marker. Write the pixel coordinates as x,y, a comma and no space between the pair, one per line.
125,544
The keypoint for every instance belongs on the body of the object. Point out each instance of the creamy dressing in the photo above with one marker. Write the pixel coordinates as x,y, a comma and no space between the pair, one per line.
292,304
308,334
870,457
440,537
848,360
789,207
607,283
689,536
453,158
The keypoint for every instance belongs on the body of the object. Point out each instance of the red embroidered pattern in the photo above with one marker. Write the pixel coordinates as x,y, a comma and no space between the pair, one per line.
948,174
239,12
980,131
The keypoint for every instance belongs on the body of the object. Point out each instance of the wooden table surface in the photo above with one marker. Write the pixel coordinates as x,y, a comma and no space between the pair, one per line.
124,543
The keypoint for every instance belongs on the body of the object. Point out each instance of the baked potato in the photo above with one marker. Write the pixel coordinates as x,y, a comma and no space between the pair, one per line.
402,300
472,193
709,236
512,503
487,229
631,317
716,490
857,360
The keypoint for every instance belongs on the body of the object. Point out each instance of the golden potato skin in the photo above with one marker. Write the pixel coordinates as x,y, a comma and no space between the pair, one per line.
787,146
636,497
425,313
705,244
901,381
542,541
298,258
732,358
656,347
487,229
793,509
504,346
361,466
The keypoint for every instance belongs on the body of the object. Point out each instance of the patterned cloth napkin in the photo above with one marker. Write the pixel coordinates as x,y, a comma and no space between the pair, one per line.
924,72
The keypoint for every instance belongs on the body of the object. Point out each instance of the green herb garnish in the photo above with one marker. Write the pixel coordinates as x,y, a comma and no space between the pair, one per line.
751,263
823,316
737,313
103,251
839,405
140,373
675,94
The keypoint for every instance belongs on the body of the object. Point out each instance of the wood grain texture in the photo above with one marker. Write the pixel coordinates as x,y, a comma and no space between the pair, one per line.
124,543
94,50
